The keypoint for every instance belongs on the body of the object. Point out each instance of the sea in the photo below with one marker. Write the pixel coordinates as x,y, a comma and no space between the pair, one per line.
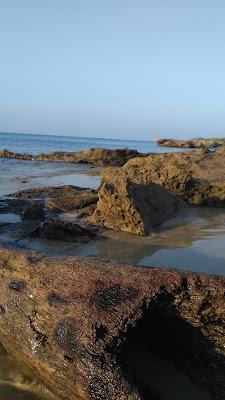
34,144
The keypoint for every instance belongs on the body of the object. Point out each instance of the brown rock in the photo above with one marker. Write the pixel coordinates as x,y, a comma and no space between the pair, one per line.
75,322
10,154
194,143
131,207
96,156
197,177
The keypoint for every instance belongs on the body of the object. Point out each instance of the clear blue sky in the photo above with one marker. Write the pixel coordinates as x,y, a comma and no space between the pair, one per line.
113,68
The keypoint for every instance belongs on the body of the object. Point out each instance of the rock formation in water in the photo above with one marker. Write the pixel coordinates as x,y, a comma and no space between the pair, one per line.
96,156
75,322
131,207
196,178
194,143
40,211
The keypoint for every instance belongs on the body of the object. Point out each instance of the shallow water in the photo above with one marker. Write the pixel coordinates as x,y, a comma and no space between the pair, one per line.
22,174
191,241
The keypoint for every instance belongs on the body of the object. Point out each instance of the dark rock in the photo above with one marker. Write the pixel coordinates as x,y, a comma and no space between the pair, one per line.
64,231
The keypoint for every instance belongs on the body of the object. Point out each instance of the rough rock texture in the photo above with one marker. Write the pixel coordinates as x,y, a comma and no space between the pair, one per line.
194,143
197,178
65,231
131,207
74,321
96,156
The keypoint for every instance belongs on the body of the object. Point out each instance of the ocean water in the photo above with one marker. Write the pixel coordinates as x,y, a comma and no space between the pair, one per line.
35,144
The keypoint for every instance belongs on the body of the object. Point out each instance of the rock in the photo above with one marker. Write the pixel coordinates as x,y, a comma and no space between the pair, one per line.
196,178
10,154
61,198
65,231
96,156
131,207
75,322
194,143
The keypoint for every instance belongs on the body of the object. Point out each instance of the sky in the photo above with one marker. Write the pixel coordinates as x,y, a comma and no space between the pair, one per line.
133,69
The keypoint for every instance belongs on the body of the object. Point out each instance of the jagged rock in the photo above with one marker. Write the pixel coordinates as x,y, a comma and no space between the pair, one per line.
131,207
65,231
196,178
194,143
74,322
96,156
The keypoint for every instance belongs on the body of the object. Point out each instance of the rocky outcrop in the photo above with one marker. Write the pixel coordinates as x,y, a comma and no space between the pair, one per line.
196,178
188,144
10,154
40,211
131,207
76,322
96,156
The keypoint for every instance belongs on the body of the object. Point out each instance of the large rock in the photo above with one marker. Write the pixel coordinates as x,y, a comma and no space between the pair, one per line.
76,323
194,143
197,178
96,156
127,206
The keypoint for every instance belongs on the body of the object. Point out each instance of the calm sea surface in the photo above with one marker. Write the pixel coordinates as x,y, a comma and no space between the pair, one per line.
35,144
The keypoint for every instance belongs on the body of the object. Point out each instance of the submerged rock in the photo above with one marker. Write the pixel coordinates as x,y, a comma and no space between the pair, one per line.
194,143
65,231
75,322
196,178
127,206
96,156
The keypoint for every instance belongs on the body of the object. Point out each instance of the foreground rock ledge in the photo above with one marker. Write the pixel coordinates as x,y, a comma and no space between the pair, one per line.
74,322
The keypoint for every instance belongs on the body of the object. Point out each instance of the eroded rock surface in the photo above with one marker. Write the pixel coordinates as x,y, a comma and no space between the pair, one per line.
132,207
194,143
73,321
196,178
96,156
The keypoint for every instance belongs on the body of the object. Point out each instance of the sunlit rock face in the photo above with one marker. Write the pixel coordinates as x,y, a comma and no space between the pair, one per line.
76,323
195,177
131,207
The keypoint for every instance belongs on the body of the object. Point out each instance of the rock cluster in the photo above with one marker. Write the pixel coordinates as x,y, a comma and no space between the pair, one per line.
96,156
74,322
194,143
132,207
